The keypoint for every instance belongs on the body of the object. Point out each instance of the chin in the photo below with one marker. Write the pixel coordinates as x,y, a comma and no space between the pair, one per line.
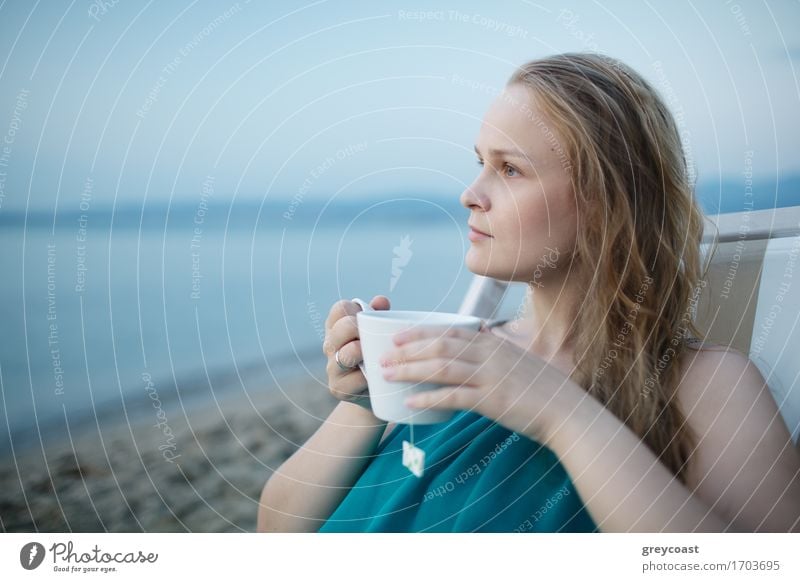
497,265
479,264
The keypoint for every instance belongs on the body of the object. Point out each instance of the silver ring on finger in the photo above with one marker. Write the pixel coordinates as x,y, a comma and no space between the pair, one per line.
341,365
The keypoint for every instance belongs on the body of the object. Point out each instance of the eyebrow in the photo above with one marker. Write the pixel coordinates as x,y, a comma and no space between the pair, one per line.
510,153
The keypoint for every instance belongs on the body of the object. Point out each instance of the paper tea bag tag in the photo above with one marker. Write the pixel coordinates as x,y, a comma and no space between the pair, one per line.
413,458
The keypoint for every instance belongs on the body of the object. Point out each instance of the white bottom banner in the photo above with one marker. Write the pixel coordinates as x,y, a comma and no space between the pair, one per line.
351,557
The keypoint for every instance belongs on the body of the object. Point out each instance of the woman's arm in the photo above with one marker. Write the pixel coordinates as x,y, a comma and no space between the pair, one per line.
306,489
747,468
624,487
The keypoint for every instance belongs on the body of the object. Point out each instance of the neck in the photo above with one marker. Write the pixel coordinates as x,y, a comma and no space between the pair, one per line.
549,314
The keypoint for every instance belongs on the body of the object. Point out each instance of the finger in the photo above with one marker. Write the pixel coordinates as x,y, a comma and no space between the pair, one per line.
446,398
340,309
343,331
424,331
349,387
437,371
437,347
345,380
350,354
344,309
380,302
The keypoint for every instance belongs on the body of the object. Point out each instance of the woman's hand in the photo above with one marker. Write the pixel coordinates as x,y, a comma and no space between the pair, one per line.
484,373
341,333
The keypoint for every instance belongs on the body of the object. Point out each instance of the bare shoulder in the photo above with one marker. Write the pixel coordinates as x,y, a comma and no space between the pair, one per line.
745,465
715,377
710,370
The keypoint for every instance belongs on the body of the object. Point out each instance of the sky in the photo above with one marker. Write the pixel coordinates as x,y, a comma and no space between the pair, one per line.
119,102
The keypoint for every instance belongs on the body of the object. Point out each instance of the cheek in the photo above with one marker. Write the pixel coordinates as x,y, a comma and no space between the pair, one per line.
539,218
547,220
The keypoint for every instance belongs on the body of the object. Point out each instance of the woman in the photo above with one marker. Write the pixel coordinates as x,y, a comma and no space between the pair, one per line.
593,410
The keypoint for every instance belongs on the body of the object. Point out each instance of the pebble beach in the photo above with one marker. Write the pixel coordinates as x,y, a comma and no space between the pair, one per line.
126,477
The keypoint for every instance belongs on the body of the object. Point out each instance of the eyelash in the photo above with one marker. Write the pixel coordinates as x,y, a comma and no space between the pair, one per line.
480,163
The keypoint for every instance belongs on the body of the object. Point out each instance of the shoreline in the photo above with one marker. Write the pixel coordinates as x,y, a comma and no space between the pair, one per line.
194,393
117,479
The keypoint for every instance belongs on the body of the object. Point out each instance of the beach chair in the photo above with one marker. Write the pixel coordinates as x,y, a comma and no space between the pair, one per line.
751,300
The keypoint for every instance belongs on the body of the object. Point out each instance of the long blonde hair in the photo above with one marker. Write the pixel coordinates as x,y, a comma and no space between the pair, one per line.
637,254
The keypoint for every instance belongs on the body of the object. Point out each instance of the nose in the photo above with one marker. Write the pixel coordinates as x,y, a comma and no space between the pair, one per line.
473,198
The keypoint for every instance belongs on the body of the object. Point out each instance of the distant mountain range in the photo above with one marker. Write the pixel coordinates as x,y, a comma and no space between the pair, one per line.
728,195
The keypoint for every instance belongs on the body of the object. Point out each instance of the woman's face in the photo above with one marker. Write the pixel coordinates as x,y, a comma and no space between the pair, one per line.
522,195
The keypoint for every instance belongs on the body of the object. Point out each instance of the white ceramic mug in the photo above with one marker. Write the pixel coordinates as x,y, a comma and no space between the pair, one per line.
376,329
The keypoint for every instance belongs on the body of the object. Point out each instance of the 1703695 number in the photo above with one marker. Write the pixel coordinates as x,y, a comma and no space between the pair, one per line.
757,564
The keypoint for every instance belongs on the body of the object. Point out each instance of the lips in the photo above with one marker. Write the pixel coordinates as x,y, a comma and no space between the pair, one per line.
479,231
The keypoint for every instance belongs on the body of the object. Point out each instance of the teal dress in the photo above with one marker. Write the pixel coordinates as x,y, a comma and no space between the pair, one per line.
479,477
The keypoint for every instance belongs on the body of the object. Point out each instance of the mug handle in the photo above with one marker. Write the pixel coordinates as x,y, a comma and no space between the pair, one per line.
364,307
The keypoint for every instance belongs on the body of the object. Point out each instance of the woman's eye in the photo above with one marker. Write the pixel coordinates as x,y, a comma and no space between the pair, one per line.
510,171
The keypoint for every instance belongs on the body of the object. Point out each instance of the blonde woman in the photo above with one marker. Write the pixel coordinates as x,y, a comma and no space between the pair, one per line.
593,410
